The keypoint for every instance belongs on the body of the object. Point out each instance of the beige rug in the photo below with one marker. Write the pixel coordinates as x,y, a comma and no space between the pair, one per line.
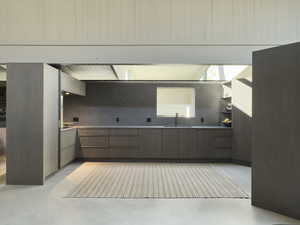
153,180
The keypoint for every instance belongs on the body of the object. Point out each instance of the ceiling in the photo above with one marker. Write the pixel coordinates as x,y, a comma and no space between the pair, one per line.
158,72
137,72
91,72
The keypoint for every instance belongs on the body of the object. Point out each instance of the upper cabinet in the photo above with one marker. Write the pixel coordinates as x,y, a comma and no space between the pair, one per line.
72,85
145,22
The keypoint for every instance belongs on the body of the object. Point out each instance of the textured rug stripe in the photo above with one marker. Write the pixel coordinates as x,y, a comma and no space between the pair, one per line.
155,180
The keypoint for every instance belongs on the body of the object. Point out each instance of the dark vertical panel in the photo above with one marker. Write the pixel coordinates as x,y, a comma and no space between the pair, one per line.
276,107
25,124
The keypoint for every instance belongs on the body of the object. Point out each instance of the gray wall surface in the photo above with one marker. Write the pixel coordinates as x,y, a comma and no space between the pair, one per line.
133,103
276,142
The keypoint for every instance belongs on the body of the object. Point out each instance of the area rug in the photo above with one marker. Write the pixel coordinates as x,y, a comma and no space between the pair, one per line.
154,180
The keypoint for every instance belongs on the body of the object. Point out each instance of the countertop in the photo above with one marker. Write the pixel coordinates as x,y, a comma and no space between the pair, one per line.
68,128
156,127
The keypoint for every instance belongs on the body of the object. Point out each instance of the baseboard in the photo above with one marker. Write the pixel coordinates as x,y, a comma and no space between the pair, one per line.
155,160
241,162
282,211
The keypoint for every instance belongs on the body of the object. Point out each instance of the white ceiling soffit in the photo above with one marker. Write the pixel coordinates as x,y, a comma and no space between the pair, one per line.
91,72
160,72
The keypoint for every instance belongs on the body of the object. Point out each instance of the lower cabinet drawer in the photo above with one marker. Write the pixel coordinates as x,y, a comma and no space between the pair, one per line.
123,141
94,153
92,132
67,155
100,142
124,132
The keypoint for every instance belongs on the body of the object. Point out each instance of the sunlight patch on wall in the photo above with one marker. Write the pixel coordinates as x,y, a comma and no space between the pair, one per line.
242,97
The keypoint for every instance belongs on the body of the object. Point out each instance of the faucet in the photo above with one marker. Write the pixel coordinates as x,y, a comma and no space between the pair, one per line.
176,120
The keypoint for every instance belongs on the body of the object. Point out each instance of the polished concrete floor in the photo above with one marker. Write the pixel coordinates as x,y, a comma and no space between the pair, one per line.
35,205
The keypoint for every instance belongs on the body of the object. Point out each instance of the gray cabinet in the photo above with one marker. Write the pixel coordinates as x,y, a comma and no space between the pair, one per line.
109,143
205,143
188,144
155,143
72,85
68,143
150,143
124,143
170,143
214,143
94,141
123,132
92,132
94,153
223,144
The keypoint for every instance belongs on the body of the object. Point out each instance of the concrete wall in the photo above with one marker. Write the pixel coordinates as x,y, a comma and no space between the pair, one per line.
133,103
276,155
242,117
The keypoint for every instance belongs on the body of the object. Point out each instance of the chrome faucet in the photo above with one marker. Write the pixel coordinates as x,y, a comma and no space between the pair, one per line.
176,120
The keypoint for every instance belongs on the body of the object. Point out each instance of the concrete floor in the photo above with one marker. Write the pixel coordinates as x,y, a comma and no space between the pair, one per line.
35,205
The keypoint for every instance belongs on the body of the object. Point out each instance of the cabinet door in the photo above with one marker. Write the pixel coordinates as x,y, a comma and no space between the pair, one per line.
94,153
67,155
223,144
101,142
188,144
123,132
170,139
67,146
124,143
214,144
92,132
205,144
150,143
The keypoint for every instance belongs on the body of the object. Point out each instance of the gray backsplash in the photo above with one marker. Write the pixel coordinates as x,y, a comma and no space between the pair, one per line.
133,103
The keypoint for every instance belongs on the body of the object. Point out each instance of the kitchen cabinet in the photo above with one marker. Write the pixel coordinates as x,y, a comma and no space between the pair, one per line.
156,143
68,143
150,143
188,144
170,144
72,85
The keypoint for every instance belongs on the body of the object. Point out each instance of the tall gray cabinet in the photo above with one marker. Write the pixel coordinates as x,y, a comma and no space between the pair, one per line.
32,123
276,133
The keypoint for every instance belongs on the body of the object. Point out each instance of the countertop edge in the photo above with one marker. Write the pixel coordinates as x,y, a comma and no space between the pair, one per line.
67,129
154,127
